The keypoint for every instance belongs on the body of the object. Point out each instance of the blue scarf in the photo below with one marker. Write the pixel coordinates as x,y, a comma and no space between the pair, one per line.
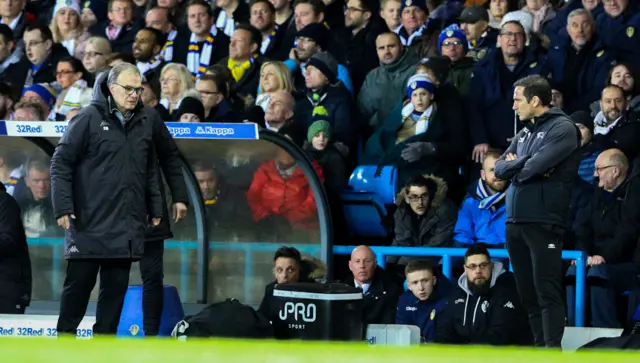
488,201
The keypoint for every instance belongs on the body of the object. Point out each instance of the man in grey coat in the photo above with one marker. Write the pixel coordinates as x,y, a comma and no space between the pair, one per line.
104,179
541,162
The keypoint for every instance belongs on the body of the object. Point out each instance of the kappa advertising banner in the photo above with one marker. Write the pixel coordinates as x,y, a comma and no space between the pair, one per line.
179,130
40,326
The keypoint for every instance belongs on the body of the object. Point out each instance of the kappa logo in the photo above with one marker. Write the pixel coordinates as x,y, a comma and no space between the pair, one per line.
459,301
551,246
509,305
73,249
412,308
104,125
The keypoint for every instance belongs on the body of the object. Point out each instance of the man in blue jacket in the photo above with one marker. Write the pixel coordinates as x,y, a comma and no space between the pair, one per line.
618,28
482,217
422,304
579,65
493,122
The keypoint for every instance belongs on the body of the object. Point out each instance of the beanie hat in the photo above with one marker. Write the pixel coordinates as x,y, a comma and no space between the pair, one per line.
453,31
45,91
583,118
319,33
98,8
521,17
190,105
439,66
70,4
420,80
326,64
417,3
319,123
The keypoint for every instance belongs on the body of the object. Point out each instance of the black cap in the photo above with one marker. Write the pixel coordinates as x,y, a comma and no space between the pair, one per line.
583,118
318,32
474,14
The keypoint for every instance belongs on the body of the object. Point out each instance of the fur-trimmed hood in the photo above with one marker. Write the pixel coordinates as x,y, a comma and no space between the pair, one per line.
312,269
437,191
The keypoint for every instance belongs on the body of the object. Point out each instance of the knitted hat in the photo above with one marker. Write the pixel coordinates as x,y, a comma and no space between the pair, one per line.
326,64
190,105
417,3
98,8
521,17
420,80
70,4
319,33
583,118
320,123
453,31
439,65
45,91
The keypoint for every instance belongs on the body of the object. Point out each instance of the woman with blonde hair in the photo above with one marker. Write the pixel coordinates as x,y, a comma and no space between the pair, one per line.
274,76
67,28
175,81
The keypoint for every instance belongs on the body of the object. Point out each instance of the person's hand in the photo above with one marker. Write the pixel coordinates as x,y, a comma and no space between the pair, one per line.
597,260
478,152
511,157
155,222
293,55
65,221
179,211
416,150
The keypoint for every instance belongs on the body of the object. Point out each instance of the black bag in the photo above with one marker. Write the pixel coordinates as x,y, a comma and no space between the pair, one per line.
226,319
630,342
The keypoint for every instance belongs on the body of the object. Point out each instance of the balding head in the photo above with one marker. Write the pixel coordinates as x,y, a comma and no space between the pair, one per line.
363,264
389,48
611,168
280,109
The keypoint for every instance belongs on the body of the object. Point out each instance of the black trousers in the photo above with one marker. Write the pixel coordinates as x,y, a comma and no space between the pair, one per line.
8,306
536,256
151,270
80,280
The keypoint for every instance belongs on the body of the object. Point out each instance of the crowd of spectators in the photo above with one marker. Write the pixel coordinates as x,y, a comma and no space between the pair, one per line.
423,86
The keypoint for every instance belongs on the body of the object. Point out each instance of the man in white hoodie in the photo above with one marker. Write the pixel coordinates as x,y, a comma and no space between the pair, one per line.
485,309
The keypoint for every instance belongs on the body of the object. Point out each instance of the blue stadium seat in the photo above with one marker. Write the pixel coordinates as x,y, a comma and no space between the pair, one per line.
365,214
131,318
362,180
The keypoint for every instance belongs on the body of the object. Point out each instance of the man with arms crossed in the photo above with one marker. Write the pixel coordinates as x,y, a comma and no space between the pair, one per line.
541,163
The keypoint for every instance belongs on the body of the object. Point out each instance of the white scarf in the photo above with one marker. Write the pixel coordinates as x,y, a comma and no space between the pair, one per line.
146,67
226,23
167,104
263,100
407,41
422,125
600,126
167,50
267,42
73,97
70,44
197,60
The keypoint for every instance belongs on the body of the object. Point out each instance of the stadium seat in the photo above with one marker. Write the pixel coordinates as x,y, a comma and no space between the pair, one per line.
366,214
131,318
362,180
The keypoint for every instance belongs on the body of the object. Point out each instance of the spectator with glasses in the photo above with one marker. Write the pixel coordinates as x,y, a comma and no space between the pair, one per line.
175,81
76,92
485,308
120,29
96,52
39,66
214,93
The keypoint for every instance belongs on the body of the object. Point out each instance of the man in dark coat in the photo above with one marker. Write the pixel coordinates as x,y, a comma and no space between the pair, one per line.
485,309
380,292
39,65
618,29
15,264
542,164
105,193
120,29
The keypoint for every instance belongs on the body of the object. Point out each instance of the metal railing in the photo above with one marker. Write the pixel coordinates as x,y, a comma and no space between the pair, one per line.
249,248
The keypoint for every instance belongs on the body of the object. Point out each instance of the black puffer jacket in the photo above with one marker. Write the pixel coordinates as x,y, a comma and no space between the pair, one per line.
15,264
106,174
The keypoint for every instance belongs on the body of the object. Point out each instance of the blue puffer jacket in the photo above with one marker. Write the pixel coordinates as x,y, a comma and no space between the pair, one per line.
477,225
621,34
491,95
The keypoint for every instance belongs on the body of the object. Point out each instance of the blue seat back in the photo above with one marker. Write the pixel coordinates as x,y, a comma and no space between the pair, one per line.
362,180
365,213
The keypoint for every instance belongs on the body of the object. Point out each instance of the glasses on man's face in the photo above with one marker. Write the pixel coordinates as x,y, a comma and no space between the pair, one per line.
482,266
131,90
352,9
451,43
417,198
512,34
599,169
169,79
122,9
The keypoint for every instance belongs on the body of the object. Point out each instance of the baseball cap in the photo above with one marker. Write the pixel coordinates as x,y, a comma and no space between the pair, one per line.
474,14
